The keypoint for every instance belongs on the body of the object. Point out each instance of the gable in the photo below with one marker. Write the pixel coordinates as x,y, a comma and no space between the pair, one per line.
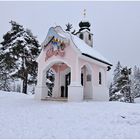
53,35
58,44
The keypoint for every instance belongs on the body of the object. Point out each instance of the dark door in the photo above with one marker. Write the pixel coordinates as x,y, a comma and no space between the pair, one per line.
67,82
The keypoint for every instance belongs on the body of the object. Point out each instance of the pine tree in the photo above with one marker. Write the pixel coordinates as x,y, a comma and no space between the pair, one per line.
6,68
68,27
4,78
114,87
135,84
117,72
50,77
19,51
110,89
121,90
124,82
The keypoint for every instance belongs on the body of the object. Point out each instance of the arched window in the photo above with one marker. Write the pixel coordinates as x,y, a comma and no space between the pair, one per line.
89,37
81,36
100,78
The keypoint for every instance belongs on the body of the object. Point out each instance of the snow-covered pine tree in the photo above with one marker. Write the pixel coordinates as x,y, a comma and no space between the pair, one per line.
19,51
4,78
7,66
110,89
135,84
114,87
117,72
50,77
124,82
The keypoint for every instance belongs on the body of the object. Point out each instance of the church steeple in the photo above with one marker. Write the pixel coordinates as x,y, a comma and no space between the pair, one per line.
84,24
84,31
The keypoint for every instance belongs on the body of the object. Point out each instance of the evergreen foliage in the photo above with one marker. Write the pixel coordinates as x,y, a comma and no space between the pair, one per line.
135,85
4,78
18,53
114,88
68,27
50,77
117,72
126,84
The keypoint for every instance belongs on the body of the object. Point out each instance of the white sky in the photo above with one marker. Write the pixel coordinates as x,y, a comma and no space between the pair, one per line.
115,25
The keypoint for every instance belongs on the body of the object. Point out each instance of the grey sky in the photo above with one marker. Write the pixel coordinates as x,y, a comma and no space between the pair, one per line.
115,25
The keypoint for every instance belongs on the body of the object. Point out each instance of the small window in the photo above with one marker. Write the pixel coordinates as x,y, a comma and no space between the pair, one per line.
88,77
100,78
89,37
81,36
82,79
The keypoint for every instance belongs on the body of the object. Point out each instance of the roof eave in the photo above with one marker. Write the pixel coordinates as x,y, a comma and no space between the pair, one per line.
97,59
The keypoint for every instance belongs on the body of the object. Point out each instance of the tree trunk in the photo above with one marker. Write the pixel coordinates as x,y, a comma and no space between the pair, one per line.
131,100
24,88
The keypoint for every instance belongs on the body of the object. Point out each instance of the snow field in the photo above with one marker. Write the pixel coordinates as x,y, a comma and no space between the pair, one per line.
23,117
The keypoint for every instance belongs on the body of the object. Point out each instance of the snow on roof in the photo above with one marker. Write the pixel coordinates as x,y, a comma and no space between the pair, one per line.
80,44
88,51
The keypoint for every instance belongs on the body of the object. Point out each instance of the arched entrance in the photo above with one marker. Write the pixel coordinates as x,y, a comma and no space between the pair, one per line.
86,81
61,81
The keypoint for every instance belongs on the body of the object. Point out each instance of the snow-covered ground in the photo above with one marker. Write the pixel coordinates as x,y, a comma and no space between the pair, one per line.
137,100
23,117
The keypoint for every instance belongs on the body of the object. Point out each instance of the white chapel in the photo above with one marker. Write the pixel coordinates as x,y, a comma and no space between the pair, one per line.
80,71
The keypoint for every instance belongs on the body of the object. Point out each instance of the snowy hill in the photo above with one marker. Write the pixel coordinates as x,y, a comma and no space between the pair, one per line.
23,117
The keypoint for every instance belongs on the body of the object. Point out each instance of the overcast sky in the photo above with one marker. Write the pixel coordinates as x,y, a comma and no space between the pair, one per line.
115,25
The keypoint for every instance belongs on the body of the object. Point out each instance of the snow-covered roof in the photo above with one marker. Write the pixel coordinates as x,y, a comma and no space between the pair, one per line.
80,44
89,51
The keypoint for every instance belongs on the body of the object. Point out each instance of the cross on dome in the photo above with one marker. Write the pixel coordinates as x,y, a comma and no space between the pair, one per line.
84,13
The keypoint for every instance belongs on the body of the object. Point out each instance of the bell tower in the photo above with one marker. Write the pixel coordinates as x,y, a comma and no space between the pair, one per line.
84,31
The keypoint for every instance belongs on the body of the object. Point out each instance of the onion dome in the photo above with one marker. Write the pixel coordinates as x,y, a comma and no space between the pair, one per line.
84,24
